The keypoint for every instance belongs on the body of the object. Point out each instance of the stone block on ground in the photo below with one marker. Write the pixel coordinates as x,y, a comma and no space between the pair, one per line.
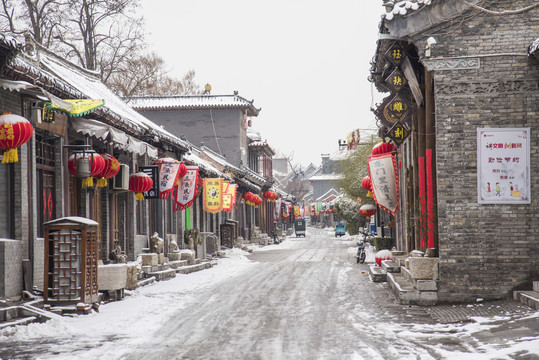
149,259
422,267
111,277
132,276
174,256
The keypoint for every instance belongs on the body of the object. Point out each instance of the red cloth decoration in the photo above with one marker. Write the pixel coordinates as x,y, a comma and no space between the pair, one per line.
382,255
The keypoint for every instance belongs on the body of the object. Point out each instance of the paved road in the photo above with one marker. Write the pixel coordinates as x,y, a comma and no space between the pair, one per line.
308,301
305,299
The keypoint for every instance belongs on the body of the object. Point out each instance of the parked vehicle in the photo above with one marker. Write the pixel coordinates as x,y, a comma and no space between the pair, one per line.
340,229
299,227
361,249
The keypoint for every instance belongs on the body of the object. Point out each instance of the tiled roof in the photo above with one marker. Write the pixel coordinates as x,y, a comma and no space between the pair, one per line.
192,102
396,8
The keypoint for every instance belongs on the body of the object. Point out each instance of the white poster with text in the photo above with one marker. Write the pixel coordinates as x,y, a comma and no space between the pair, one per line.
503,165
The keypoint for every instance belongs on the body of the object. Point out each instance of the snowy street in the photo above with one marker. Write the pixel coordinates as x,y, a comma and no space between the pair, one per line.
305,298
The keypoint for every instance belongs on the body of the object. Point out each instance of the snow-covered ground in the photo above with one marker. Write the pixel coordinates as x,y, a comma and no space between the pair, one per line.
122,326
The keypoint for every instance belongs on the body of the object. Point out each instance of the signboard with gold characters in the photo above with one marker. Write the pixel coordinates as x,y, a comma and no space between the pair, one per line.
213,195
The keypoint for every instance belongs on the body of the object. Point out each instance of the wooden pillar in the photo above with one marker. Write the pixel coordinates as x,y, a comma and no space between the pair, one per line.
421,178
430,157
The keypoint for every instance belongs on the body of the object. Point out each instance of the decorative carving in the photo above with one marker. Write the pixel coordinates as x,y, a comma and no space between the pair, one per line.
487,87
452,64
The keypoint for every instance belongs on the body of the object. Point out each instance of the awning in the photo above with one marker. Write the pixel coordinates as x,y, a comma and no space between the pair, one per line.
76,107
118,138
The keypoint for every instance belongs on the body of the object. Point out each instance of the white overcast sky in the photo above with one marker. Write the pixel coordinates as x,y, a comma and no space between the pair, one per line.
304,62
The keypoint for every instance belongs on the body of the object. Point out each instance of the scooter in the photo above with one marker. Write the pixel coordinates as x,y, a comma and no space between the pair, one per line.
361,249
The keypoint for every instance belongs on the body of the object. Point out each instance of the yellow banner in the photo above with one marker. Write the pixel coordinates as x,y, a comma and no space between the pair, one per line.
296,211
78,107
213,195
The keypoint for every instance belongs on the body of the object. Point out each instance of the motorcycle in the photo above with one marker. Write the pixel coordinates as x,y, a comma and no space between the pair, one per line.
361,249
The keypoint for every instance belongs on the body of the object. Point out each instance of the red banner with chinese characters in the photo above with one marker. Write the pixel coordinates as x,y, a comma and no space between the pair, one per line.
186,190
168,174
385,181
213,195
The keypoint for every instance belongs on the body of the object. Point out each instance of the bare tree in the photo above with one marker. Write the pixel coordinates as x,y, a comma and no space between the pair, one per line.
40,18
100,35
147,75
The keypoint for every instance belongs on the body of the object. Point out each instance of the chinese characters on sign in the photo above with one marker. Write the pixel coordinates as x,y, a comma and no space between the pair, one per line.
398,133
213,195
153,172
186,190
384,178
503,165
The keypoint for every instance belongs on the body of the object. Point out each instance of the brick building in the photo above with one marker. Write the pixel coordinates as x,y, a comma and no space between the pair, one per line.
468,75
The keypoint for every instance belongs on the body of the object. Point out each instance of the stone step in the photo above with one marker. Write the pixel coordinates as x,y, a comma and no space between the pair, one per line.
163,274
391,266
146,281
192,268
401,288
407,292
19,321
529,298
377,274
178,263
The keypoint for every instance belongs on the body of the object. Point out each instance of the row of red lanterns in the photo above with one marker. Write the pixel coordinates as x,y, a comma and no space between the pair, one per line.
271,196
252,199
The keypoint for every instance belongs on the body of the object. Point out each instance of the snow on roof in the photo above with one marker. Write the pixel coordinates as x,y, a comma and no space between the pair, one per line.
221,160
401,8
93,88
326,177
330,195
261,145
193,156
253,135
193,102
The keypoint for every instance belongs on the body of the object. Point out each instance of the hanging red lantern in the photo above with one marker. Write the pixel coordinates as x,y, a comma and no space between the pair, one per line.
383,148
367,185
97,164
138,183
14,132
111,169
182,170
367,210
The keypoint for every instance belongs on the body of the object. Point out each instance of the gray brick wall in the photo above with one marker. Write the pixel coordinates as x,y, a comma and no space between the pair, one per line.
197,127
11,277
485,250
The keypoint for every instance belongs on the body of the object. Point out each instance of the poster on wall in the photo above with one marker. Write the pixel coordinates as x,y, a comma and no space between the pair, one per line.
503,165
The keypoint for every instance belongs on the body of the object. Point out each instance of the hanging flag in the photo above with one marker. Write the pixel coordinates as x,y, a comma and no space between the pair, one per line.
213,195
168,174
229,197
296,211
186,190
385,181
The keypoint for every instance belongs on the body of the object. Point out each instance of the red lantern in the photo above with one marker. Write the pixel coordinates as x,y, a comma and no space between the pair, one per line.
182,170
97,164
111,169
367,210
14,131
383,148
382,255
139,183
367,185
